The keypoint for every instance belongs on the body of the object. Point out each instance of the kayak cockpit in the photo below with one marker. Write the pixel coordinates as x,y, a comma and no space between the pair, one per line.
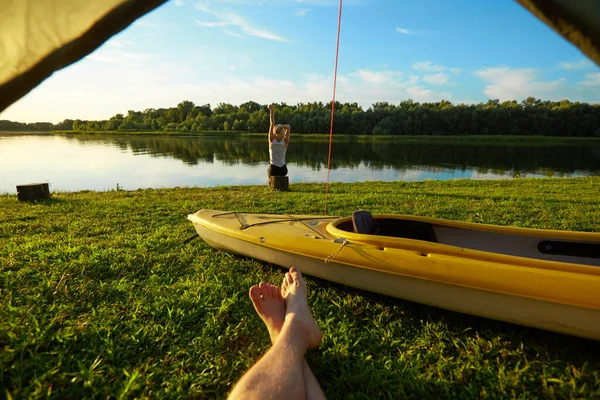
453,237
363,222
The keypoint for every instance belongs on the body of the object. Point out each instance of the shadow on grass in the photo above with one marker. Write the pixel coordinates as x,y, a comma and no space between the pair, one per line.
347,377
46,202
473,352
569,348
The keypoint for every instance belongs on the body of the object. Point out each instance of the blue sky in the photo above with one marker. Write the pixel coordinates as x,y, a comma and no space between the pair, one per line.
232,51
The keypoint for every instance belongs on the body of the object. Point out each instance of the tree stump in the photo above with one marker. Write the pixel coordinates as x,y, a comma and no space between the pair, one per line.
279,183
33,191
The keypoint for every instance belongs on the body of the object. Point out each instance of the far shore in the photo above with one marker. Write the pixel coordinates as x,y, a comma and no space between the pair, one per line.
537,139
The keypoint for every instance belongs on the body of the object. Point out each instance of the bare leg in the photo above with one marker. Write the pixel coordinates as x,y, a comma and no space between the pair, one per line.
279,373
270,306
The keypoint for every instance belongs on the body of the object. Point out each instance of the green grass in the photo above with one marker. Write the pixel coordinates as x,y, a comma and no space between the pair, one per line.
100,298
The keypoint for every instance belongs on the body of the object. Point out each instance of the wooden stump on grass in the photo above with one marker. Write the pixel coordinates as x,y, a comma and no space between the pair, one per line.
33,191
279,183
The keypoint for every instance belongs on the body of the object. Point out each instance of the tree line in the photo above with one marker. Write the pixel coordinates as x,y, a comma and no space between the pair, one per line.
529,117
14,126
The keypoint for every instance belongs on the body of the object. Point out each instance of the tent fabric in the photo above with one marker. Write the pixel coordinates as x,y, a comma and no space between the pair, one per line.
578,21
38,37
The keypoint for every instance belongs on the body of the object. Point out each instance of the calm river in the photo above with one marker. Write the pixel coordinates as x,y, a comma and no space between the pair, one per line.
100,162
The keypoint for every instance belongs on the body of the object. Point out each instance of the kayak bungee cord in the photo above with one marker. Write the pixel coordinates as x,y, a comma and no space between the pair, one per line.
337,48
290,218
286,218
332,256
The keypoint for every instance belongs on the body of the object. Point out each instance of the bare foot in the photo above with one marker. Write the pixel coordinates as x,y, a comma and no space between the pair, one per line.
269,306
293,290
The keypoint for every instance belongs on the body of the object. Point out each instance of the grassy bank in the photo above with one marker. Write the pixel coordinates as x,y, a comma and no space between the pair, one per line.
101,298
471,139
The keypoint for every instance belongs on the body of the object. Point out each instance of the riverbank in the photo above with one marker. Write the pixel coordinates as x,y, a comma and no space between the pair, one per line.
101,298
471,139
456,139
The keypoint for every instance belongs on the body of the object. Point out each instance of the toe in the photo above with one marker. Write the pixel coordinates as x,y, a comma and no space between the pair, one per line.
264,288
296,276
255,293
274,292
289,278
268,291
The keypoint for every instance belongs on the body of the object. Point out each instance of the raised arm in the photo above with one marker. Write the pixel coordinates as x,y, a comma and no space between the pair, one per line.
287,135
271,108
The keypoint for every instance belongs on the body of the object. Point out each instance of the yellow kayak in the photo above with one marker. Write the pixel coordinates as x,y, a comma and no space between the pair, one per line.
540,278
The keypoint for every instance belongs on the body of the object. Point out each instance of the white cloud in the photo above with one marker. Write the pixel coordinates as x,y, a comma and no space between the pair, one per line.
439,78
121,57
179,3
101,57
591,79
404,31
369,76
301,13
145,23
215,24
576,65
436,79
362,86
244,63
229,19
420,93
505,83
129,82
428,66
228,32
119,44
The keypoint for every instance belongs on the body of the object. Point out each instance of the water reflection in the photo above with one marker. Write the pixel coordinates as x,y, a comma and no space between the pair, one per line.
98,162
497,159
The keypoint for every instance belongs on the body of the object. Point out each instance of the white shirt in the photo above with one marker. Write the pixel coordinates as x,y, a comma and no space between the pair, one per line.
277,153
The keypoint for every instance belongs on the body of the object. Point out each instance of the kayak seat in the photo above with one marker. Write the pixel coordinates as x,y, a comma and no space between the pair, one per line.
407,229
363,222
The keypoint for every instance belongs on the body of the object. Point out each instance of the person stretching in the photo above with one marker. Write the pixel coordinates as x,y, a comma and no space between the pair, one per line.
279,140
282,372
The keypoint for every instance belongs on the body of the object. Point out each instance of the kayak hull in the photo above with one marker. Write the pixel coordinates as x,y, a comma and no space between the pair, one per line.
254,241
